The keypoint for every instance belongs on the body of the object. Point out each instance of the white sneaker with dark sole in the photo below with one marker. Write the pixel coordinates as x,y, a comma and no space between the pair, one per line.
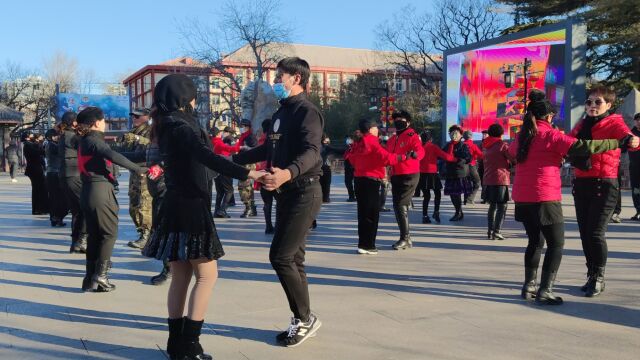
367,252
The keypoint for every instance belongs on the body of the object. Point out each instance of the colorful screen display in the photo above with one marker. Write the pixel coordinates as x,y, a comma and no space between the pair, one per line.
478,95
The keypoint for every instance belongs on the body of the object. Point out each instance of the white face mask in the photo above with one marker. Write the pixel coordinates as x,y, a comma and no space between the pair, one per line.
243,130
349,141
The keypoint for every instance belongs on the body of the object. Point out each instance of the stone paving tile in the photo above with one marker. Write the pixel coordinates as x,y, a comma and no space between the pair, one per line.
455,295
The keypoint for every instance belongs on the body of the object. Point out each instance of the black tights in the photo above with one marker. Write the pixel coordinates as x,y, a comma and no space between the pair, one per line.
457,202
427,197
554,235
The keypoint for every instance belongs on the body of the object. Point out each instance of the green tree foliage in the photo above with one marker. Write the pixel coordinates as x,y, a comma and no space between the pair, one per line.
613,45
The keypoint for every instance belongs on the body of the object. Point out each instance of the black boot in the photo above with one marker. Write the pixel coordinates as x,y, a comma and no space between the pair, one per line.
597,284
142,240
221,213
190,349
402,217
590,278
436,216
79,244
545,295
529,288
426,219
164,275
491,217
267,220
175,337
501,213
100,280
90,267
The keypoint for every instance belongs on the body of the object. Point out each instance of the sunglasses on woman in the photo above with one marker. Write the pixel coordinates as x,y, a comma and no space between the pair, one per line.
597,102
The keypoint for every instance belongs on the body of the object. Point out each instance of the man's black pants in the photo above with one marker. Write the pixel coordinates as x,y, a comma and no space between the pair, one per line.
368,195
296,208
224,192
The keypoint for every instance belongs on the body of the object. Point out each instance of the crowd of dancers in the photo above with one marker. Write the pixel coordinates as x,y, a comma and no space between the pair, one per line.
175,164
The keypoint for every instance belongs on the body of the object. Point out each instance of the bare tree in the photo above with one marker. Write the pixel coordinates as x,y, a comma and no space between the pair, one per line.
252,23
61,69
23,90
87,79
418,39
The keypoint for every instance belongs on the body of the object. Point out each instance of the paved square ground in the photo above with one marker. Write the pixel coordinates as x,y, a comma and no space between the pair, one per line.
455,295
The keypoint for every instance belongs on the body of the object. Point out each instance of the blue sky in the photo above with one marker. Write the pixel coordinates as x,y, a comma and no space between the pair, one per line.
117,36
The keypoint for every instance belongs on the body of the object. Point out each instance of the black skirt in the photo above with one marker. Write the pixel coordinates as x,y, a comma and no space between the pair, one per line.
496,194
543,214
458,186
432,181
185,231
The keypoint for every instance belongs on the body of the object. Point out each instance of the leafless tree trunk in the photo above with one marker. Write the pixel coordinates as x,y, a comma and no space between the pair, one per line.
61,69
252,23
418,39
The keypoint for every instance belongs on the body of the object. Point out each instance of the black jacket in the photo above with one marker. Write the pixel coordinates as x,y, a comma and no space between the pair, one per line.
54,158
68,145
459,169
293,141
187,155
96,159
34,156
634,156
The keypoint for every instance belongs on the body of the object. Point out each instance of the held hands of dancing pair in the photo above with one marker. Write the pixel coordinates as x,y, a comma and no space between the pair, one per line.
272,179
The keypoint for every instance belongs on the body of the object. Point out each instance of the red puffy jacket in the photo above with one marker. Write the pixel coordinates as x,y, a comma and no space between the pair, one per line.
475,151
496,162
369,158
222,149
401,144
429,163
604,165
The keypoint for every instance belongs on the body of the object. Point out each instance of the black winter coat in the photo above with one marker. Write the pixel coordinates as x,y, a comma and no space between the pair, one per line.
68,145
459,169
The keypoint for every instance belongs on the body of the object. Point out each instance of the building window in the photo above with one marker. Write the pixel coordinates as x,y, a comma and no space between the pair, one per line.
138,87
215,83
157,77
349,77
413,85
215,100
240,78
317,79
148,100
333,81
399,84
147,82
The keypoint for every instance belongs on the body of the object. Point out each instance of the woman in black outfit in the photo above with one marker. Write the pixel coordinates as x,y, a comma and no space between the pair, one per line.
98,200
70,179
34,155
457,182
186,235
58,208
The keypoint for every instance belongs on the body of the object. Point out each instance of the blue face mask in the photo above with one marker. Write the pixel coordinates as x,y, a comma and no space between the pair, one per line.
280,91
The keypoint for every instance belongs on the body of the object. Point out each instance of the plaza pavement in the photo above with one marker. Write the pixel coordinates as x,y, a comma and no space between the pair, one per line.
455,295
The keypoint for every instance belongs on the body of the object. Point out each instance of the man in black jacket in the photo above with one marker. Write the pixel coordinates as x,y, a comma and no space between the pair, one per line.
292,153
634,171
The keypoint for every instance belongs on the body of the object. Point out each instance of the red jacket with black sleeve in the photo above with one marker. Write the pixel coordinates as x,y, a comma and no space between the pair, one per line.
475,151
369,158
432,152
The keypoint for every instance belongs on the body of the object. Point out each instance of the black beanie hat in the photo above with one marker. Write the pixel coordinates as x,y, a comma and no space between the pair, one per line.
174,92
68,118
365,124
89,115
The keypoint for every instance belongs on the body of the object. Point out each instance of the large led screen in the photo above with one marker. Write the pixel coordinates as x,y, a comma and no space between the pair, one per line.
478,95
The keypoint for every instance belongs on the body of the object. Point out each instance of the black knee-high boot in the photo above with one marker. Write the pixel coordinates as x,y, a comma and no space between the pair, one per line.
501,213
545,293
100,281
402,216
190,349
175,337
491,217
437,196
425,207
457,204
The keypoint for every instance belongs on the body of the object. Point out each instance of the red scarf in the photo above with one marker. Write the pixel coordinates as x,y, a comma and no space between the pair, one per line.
489,141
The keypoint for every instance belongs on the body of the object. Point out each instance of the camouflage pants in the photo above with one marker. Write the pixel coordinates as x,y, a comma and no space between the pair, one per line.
245,188
140,202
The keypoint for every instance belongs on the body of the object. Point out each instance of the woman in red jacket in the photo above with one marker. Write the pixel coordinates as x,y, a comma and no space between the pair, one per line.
429,177
539,150
369,160
496,180
595,189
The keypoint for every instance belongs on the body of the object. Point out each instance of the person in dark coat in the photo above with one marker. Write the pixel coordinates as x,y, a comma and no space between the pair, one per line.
457,183
34,156
58,208
496,179
70,179
186,235
634,171
12,159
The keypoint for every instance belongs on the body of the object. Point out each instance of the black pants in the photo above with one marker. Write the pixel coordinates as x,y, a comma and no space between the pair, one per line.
72,190
368,195
348,181
474,177
426,192
39,195
539,228
595,200
634,177
403,188
295,211
421,185
325,183
384,190
618,208
224,192
58,207
12,169
267,200
100,208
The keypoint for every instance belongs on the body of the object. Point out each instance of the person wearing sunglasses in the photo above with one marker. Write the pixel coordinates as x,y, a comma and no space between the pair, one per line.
595,188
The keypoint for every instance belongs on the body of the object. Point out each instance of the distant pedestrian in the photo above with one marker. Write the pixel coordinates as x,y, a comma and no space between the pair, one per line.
35,171
430,179
474,176
12,159
496,180
58,207
457,183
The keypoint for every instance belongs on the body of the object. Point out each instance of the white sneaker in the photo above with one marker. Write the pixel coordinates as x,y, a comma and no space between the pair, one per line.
14,180
368,252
